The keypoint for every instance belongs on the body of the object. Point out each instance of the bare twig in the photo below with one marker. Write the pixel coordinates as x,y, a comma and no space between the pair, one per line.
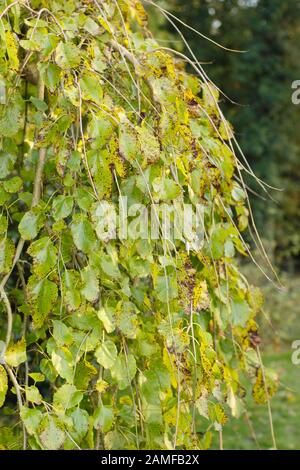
268,398
9,316
19,399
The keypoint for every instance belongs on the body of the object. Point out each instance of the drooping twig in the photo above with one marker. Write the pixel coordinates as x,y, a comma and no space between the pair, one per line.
37,187
268,398
19,399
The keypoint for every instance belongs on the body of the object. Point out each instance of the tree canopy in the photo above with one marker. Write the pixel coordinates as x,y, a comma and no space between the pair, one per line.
116,342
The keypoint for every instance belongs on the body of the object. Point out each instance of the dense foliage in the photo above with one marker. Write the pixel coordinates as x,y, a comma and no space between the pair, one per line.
259,81
115,343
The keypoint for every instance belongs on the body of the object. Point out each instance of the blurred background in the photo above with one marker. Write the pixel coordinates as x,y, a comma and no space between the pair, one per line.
258,83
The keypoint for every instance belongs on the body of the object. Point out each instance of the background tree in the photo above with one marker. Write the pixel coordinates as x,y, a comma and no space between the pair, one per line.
259,80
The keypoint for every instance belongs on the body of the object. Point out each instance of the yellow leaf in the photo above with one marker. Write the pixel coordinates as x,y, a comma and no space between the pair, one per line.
12,50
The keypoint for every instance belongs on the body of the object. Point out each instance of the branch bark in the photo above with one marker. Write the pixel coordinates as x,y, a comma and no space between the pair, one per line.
37,187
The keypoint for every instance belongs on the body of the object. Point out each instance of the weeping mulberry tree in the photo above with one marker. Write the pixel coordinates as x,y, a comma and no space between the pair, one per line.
116,342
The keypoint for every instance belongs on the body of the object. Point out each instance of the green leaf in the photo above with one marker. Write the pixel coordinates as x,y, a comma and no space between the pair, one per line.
12,49
42,294
124,370
51,74
74,162
167,188
91,88
44,254
128,143
100,168
103,418
67,55
61,333
67,396
238,194
107,316
84,373
71,284
13,185
4,196
52,436
33,395
62,207
106,354
100,129
115,440
90,284
10,121
37,377
149,144
50,42
3,385
84,198
150,386
16,353
240,312
110,267
80,423
83,234
3,224
39,104
127,321
30,45
47,368
7,250
218,238
31,417
166,288
30,225
91,27
62,361
229,249
7,161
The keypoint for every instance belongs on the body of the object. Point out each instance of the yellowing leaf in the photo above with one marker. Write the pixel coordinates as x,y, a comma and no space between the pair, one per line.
62,333
91,88
124,370
90,284
44,254
16,353
62,361
3,385
106,354
62,207
52,436
103,418
71,286
30,225
42,295
31,417
67,396
33,395
67,55
12,50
